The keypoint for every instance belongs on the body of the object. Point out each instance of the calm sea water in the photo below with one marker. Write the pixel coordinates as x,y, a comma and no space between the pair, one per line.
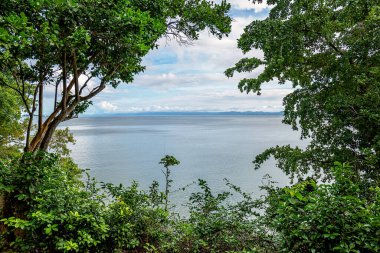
126,148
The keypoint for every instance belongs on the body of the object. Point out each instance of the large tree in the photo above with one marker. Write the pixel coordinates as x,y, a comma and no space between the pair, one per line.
70,43
329,50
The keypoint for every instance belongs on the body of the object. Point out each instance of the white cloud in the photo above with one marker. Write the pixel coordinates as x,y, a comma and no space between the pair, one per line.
191,78
107,106
247,5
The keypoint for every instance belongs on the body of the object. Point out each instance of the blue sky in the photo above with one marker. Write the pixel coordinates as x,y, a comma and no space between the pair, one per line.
190,78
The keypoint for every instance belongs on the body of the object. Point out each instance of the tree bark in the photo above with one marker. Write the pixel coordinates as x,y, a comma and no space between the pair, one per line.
64,76
44,146
75,70
42,140
40,103
30,122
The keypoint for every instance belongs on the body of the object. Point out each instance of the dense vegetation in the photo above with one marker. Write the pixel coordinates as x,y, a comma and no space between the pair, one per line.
53,210
328,50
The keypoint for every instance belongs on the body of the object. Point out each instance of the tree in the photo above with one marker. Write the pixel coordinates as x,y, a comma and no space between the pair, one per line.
330,52
69,43
167,162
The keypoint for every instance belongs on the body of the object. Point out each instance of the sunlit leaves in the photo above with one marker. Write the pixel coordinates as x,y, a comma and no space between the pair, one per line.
329,52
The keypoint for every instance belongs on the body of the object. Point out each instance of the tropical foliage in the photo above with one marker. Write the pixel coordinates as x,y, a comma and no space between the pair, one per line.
330,52
54,211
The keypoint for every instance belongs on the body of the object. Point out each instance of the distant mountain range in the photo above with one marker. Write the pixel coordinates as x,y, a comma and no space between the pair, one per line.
232,113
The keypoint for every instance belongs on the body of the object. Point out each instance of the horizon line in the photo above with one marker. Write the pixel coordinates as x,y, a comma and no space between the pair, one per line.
187,113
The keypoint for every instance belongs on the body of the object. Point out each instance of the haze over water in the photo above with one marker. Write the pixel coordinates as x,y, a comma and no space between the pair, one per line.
119,149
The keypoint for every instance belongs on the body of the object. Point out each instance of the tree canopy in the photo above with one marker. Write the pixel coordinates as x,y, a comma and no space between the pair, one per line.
11,124
68,43
330,52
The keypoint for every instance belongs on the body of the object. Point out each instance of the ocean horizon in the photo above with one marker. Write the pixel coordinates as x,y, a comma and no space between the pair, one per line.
122,149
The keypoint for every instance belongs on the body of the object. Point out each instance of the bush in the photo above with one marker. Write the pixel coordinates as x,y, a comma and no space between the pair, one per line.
51,210
332,217
137,220
216,224
58,211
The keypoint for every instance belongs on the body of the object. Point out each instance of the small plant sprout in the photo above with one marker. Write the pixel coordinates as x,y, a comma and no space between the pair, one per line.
168,161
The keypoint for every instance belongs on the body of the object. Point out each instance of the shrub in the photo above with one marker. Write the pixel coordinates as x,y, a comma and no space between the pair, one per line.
336,217
216,224
137,220
53,211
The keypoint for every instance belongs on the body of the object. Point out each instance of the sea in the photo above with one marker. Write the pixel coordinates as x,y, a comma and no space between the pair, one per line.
121,149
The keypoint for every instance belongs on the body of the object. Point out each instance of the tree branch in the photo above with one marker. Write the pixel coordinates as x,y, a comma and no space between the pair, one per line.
30,122
75,71
40,101
85,84
64,76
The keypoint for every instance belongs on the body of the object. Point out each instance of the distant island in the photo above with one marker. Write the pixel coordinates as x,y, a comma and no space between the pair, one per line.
190,113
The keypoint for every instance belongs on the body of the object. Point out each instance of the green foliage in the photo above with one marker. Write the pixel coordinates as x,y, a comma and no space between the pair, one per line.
50,206
329,51
61,138
11,125
136,219
56,42
80,108
311,217
53,211
169,160
217,224
67,44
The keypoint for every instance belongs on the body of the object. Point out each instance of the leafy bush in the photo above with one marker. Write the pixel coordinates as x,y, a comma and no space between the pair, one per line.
52,210
332,217
216,224
58,211
137,220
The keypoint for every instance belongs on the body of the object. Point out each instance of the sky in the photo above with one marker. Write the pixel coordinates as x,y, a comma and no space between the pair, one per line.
191,78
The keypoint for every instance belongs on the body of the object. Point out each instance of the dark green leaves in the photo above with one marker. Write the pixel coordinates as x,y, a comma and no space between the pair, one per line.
329,51
311,217
169,161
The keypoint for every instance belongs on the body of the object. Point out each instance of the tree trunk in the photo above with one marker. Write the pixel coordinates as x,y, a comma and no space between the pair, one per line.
64,84
75,71
49,134
40,104
2,200
43,137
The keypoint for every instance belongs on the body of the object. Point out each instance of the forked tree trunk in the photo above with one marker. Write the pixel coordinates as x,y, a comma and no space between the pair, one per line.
47,138
43,137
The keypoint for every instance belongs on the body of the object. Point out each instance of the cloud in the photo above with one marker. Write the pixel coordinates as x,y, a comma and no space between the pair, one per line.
107,106
191,78
246,4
